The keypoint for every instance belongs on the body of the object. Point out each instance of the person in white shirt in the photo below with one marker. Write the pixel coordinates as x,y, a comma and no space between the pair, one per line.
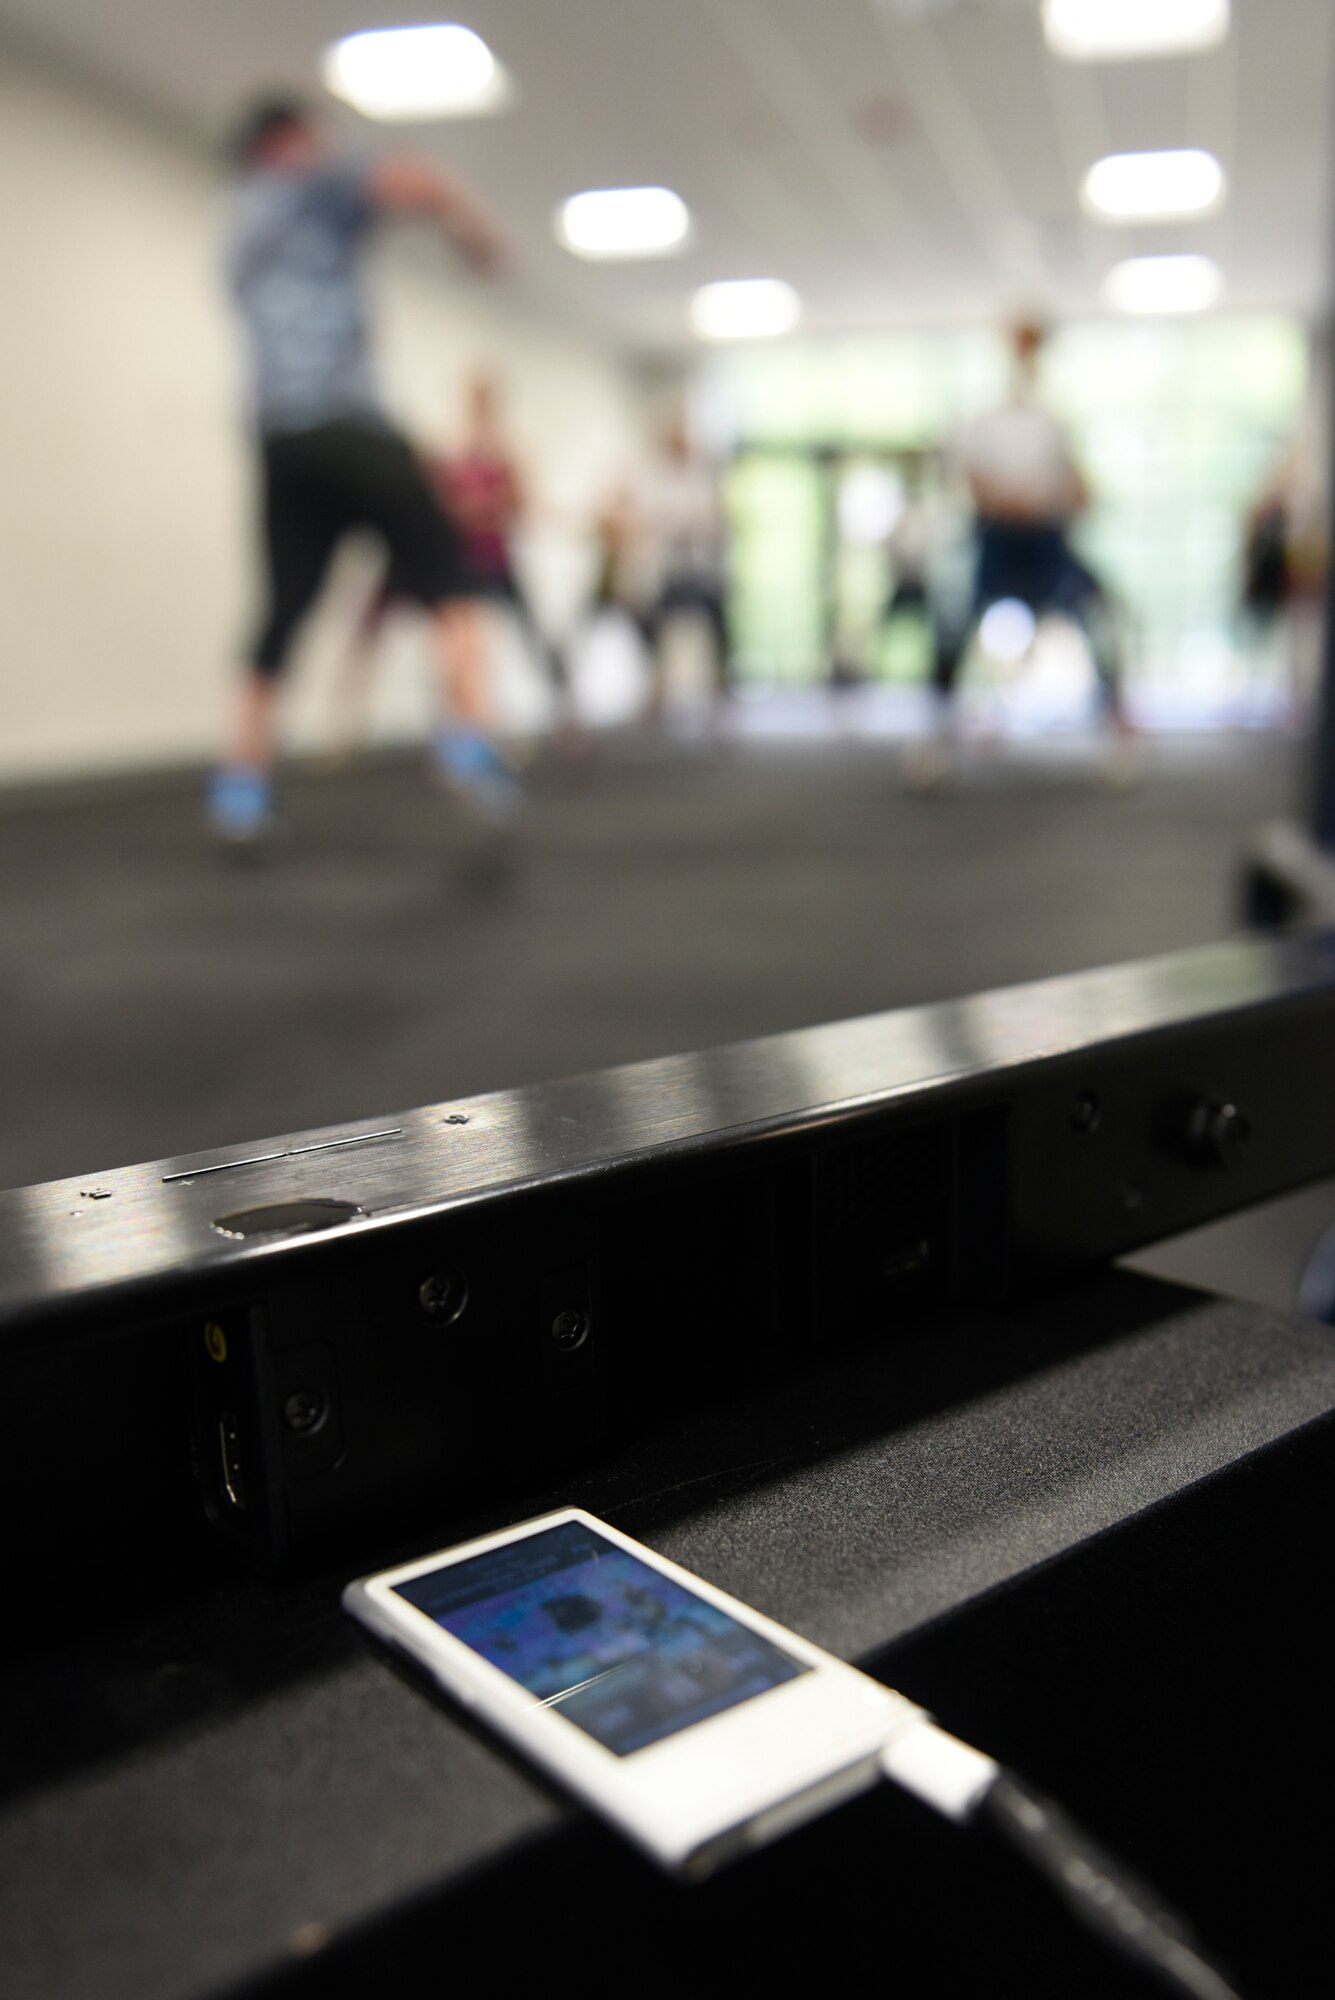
1027,490
687,532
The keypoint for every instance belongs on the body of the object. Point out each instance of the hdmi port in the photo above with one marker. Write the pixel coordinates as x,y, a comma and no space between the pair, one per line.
229,1453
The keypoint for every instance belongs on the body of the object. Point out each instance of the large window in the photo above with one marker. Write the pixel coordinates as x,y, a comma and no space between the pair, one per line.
1178,424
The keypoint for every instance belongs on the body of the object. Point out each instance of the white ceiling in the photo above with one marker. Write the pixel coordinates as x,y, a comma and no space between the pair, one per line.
893,159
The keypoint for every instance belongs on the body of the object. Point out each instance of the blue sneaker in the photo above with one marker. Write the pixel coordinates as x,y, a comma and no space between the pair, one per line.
240,806
471,764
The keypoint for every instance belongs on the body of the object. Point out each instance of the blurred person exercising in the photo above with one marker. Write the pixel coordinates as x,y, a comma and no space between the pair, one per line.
623,582
910,544
484,492
1285,553
481,491
1026,490
330,459
689,534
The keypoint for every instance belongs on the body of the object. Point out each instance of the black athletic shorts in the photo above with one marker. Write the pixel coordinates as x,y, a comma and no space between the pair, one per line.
486,586
320,484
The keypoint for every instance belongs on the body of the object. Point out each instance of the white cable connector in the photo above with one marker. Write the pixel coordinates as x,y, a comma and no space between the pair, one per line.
937,1768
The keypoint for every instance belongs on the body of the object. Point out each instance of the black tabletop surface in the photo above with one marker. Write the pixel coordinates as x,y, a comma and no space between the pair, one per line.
205,1775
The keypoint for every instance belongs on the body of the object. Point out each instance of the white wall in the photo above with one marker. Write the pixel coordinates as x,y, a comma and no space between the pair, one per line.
127,578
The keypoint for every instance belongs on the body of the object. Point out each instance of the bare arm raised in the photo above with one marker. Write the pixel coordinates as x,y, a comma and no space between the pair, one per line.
407,186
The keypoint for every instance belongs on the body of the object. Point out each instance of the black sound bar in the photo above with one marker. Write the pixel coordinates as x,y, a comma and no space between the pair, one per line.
332,1336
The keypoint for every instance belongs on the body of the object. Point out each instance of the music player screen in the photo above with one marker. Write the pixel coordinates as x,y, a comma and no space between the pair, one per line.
629,1655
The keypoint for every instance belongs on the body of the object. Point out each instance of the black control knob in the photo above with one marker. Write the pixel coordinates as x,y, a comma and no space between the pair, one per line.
1219,1134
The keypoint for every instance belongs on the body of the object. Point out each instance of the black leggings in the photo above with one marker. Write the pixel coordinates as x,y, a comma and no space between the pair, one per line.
320,484
494,587
503,587
709,601
1037,567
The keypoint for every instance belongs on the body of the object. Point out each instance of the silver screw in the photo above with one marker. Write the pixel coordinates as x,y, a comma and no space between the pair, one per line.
443,1296
570,1330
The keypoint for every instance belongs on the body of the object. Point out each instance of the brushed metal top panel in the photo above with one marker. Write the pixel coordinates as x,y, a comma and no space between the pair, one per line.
86,1239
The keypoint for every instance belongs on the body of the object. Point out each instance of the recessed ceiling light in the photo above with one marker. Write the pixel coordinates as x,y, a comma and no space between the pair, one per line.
1114,30
1153,187
745,309
1163,284
623,222
438,70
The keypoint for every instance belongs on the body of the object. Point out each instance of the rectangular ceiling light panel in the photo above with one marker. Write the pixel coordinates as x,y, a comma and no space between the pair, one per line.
623,222
1153,187
1163,285
1119,30
745,309
437,70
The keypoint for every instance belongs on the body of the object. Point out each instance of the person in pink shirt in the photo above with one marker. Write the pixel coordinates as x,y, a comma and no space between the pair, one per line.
481,492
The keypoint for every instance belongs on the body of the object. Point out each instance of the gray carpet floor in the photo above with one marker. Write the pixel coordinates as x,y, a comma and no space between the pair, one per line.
156,1000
